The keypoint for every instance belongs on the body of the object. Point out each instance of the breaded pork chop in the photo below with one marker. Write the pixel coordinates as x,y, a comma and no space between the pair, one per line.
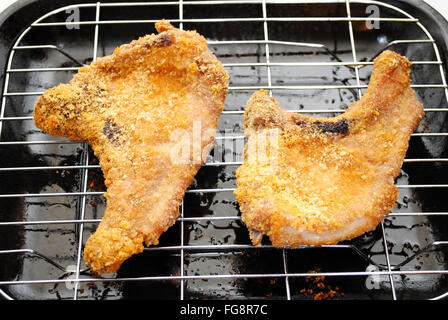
138,109
315,181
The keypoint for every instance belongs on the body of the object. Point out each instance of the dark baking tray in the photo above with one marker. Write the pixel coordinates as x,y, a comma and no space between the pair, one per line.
414,242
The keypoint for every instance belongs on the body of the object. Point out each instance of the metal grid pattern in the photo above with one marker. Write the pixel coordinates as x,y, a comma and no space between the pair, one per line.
85,166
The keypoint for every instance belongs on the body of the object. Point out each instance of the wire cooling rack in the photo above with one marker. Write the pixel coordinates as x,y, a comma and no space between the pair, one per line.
196,274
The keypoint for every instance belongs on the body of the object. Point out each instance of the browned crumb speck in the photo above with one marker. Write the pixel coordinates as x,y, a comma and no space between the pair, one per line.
308,180
318,289
127,106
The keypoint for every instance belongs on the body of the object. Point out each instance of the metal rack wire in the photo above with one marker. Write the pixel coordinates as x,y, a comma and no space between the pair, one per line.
388,270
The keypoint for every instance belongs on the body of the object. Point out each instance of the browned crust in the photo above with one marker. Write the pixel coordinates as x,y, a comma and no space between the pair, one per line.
127,106
334,177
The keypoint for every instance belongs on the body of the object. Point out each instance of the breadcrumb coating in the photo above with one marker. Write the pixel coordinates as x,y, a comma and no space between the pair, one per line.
127,106
315,181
